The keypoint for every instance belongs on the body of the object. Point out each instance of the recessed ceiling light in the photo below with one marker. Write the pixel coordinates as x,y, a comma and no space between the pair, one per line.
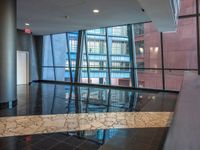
27,24
96,11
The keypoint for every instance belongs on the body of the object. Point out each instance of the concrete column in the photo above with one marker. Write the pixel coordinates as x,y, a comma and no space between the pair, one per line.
7,51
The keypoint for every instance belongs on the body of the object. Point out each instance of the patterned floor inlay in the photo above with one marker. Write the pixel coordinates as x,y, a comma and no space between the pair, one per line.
29,125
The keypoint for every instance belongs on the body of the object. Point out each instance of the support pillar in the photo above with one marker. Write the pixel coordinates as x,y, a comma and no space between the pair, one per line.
7,52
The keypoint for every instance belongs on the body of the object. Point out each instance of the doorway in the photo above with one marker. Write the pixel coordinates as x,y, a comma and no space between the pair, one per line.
22,67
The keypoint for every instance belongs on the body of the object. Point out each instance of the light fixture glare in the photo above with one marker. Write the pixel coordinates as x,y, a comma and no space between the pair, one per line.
96,11
27,24
141,50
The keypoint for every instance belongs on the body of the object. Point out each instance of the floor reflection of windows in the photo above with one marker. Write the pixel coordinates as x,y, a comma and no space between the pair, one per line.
93,100
74,99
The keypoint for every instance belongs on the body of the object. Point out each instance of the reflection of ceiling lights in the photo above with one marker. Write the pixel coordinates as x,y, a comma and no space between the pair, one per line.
140,86
156,49
96,11
141,50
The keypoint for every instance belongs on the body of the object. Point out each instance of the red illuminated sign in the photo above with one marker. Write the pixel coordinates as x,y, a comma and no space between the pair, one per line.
27,30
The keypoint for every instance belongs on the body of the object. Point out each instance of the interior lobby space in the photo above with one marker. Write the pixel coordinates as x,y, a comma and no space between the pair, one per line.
99,74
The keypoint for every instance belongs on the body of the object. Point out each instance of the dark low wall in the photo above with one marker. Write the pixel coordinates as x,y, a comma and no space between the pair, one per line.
184,133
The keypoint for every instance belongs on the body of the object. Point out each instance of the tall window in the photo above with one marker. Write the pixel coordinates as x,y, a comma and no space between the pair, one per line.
97,56
159,59
119,56
73,44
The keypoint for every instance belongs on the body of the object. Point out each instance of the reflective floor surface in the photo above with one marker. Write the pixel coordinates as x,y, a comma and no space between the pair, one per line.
50,99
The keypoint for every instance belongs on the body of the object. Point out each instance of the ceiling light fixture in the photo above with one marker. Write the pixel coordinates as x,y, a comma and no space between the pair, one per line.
27,24
96,11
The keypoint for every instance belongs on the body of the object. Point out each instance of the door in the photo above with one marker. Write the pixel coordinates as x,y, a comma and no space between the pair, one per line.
22,67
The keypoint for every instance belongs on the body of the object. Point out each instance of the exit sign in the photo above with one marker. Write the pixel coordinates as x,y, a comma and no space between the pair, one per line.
27,30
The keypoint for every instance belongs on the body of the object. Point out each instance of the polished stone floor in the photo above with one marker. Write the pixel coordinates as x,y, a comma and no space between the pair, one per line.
58,100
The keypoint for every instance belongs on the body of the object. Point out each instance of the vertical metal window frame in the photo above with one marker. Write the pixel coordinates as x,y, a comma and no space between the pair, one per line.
132,52
77,99
42,55
198,36
52,50
86,52
70,99
162,60
79,56
88,99
108,54
69,58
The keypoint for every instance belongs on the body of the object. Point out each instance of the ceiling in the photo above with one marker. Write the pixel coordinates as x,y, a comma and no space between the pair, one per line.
48,16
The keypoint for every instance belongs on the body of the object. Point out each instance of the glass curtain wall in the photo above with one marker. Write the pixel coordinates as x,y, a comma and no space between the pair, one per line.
59,56
97,56
48,67
106,52
119,56
72,39
148,56
160,62
179,51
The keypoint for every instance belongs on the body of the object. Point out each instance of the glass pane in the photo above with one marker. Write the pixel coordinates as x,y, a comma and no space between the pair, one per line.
60,47
47,55
96,44
120,99
120,57
84,75
138,29
149,79
187,7
174,79
180,47
97,56
99,76
121,77
119,48
73,73
98,96
62,74
147,45
97,31
48,74
83,67
118,31
73,44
